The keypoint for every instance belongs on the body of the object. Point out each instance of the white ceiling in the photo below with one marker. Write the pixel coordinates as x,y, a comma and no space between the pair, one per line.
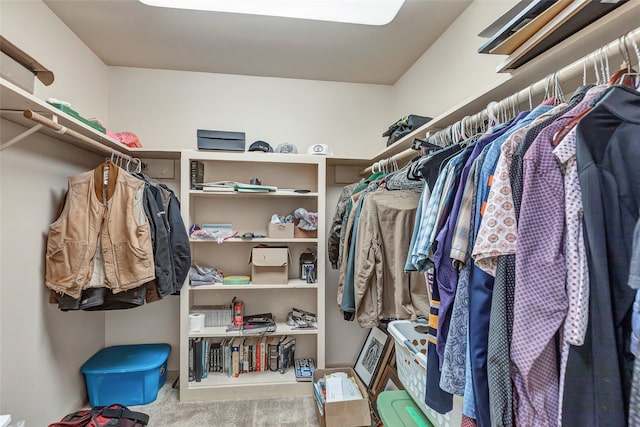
128,33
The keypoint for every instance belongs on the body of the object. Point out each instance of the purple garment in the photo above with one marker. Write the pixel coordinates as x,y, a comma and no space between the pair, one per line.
446,273
540,299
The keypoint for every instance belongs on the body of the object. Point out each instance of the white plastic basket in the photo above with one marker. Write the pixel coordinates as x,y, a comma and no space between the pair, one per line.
411,361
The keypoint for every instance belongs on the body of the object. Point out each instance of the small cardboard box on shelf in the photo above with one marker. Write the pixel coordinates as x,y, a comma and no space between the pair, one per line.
281,231
270,266
299,233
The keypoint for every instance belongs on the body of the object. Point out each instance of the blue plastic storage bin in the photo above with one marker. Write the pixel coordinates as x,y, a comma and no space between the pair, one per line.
126,374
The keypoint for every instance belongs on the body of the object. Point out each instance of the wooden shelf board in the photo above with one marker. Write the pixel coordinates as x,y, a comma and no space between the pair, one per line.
252,157
221,331
256,240
269,378
293,284
219,386
347,161
287,194
15,100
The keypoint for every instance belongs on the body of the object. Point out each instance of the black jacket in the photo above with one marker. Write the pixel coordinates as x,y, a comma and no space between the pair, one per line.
178,239
608,155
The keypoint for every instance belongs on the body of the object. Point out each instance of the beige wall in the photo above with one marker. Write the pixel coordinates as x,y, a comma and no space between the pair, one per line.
165,108
80,77
452,71
42,348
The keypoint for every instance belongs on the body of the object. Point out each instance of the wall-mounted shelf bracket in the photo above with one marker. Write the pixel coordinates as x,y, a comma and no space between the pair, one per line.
22,135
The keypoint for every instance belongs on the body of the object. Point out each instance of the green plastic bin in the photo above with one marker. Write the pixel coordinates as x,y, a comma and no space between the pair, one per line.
397,409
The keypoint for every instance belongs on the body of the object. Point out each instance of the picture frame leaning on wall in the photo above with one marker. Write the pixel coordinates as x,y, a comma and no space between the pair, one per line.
368,361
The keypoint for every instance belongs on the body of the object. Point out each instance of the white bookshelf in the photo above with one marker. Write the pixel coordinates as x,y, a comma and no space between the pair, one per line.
251,212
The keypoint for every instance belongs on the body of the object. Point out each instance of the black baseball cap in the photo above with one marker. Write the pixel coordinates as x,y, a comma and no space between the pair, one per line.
261,146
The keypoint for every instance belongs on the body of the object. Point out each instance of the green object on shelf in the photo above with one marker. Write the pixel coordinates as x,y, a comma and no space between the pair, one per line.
397,409
236,280
71,112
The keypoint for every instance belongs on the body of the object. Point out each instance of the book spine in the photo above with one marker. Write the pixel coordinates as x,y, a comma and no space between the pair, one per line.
212,356
244,356
191,378
286,355
228,359
197,360
257,355
273,357
216,352
235,359
205,359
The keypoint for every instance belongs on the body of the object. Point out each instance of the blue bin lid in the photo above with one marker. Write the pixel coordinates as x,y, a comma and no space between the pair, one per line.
127,358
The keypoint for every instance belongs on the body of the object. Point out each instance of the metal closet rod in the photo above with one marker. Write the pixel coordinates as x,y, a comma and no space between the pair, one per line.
572,70
42,120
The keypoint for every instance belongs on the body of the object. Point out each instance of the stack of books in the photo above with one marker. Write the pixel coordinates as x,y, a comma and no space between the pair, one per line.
231,186
252,188
240,355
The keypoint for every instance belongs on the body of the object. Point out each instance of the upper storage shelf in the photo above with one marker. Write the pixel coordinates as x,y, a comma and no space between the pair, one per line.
17,106
608,28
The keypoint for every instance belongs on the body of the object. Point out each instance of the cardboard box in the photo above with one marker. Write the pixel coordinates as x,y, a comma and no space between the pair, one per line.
270,266
21,69
281,231
348,413
299,233
11,70
220,140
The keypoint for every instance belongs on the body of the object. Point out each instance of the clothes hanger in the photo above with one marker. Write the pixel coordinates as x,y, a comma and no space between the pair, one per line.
417,165
625,79
604,72
561,133
449,134
625,67
413,171
606,77
493,120
558,93
425,145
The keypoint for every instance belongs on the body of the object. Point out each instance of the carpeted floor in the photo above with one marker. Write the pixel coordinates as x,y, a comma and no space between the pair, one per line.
168,411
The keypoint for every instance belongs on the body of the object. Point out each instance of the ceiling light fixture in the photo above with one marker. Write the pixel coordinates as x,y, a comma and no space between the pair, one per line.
367,12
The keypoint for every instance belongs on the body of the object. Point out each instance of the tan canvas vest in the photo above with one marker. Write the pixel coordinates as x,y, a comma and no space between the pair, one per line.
105,217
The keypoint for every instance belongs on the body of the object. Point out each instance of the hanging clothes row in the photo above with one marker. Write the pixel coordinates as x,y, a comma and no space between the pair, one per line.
368,242
118,242
525,237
